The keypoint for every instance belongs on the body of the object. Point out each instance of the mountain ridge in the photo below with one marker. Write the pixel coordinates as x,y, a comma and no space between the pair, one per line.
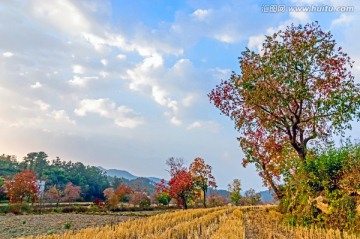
119,173
266,196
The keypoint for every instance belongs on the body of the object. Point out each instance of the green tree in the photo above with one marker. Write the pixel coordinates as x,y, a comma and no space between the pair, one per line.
8,166
234,190
116,182
2,188
298,89
202,177
162,194
251,197
36,162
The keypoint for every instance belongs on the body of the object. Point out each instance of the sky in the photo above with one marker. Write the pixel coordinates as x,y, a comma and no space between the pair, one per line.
124,84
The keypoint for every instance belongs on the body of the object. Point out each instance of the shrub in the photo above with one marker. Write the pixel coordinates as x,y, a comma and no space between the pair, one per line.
325,190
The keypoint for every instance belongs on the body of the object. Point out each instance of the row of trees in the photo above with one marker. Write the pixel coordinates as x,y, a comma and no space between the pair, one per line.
187,185
24,187
250,196
67,181
57,173
192,185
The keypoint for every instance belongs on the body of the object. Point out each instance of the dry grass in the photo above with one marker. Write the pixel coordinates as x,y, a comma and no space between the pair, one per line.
265,224
213,223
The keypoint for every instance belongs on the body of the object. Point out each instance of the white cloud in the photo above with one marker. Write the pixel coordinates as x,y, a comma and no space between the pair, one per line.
78,69
104,74
187,101
154,61
142,46
62,14
82,81
201,14
195,124
121,56
8,54
301,17
42,105
104,62
62,116
343,20
208,125
255,42
159,95
37,85
225,37
175,121
122,116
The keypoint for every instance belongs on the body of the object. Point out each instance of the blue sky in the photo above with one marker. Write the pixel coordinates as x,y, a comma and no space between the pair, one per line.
124,84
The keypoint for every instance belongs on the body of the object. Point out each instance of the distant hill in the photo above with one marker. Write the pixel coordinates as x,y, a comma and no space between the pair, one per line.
221,192
148,183
126,175
267,196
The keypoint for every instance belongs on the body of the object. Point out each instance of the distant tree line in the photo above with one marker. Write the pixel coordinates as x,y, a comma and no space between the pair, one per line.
57,174
67,182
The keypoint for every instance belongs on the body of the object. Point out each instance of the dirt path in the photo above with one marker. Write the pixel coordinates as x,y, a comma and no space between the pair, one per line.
12,226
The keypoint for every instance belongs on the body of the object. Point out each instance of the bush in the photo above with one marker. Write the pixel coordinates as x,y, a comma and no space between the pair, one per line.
19,208
325,190
75,209
4,209
145,203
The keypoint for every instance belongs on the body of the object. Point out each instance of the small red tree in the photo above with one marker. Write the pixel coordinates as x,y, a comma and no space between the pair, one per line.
162,194
71,193
111,200
114,197
23,187
108,193
139,198
53,195
122,191
202,177
181,187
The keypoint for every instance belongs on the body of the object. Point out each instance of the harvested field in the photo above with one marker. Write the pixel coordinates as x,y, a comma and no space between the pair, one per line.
23,225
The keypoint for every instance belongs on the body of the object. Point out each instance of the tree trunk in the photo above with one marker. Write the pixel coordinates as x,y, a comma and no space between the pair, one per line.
185,204
276,190
204,201
183,198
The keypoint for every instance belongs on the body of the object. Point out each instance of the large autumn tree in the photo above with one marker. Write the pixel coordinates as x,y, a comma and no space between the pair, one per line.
298,89
202,177
22,187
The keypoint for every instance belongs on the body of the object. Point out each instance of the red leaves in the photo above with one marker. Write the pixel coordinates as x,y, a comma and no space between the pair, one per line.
121,191
114,197
181,187
71,193
23,187
272,101
202,176
161,187
184,183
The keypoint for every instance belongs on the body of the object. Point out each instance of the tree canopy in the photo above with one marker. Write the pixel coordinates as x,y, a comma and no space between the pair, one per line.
298,89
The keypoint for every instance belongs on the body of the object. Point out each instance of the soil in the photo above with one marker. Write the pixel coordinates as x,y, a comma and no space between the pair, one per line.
12,226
